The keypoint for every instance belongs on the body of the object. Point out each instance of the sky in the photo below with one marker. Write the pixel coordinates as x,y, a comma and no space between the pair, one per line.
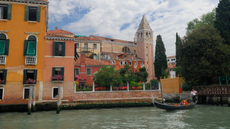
120,18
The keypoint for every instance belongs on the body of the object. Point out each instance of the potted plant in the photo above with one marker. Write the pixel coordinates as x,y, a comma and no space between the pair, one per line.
1,81
58,77
30,81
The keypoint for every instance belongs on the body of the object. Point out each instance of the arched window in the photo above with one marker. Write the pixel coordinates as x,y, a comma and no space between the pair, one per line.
125,50
4,44
147,34
121,63
141,35
30,46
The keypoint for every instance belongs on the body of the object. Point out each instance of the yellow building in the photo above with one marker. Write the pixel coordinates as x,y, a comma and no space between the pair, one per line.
23,25
89,46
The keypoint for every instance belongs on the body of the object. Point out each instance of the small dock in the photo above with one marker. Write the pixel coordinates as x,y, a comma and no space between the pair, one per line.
213,94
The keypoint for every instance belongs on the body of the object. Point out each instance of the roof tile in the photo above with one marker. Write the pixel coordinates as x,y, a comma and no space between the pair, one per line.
92,62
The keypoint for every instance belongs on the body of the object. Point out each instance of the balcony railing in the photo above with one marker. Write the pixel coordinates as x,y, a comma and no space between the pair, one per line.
31,60
3,60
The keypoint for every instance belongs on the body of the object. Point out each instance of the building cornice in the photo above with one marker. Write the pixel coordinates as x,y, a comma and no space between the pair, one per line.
25,2
59,38
125,44
87,41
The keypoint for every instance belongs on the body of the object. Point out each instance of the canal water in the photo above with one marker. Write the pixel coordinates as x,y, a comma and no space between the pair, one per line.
201,117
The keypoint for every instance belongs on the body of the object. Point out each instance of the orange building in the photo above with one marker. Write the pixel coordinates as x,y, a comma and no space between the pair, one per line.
23,26
59,64
122,59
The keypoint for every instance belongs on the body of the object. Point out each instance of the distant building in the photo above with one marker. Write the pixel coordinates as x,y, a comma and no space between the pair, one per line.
171,62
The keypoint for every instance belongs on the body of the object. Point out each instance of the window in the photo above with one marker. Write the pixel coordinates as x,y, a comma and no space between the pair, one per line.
147,35
121,63
1,93
130,63
76,72
26,93
146,54
5,11
59,49
125,56
30,46
3,74
88,71
4,45
135,70
135,63
58,74
32,13
77,45
85,46
113,62
29,76
125,62
55,92
125,50
141,63
94,46
135,51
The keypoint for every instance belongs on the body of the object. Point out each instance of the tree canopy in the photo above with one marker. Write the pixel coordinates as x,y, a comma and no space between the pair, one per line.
178,47
222,22
160,57
204,55
205,19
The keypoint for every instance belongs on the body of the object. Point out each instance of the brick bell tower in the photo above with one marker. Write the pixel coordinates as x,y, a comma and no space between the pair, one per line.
144,39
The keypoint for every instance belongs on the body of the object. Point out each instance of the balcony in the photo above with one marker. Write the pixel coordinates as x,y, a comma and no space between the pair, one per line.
85,50
2,60
31,60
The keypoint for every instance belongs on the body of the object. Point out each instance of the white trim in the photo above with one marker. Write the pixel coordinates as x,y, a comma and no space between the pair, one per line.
58,91
24,91
121,63
32,35
61,56
90,71
4,34
2,93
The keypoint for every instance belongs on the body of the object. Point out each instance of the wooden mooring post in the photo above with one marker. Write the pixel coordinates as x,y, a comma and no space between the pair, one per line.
30,99
33,107
59,99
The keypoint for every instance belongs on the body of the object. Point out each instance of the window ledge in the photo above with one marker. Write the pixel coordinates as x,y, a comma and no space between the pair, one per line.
26,85
3,20
57,81
32,22
2,85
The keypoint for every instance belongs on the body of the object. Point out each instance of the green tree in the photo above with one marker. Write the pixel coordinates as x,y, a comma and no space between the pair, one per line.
178,49
126,74
178,70
204,55
205,19
222,22
164,74
107,76
143,74
160,57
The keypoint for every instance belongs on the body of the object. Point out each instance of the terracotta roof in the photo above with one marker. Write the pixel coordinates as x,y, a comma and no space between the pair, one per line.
58,31
60,36
170,56
87,38
112,40
92,62
114,55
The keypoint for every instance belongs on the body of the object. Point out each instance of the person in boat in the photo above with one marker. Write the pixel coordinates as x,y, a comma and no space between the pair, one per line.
183,102
194,93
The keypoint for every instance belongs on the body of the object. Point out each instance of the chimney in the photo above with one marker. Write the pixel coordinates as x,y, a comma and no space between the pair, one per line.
56,28
82,59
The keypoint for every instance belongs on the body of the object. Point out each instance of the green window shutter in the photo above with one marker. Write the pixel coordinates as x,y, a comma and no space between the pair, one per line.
54,44
53,71
25,46
24,76
31,48
35,76
62,73
38,14
9,11
26,13
4,75
2,47
63,49
7,47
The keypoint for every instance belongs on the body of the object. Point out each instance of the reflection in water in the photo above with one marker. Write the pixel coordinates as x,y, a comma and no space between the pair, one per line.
122,118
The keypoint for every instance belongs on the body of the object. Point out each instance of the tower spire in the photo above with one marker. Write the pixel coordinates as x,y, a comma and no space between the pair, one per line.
144,25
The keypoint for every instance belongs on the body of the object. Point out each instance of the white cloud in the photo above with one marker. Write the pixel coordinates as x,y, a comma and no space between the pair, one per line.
106,17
